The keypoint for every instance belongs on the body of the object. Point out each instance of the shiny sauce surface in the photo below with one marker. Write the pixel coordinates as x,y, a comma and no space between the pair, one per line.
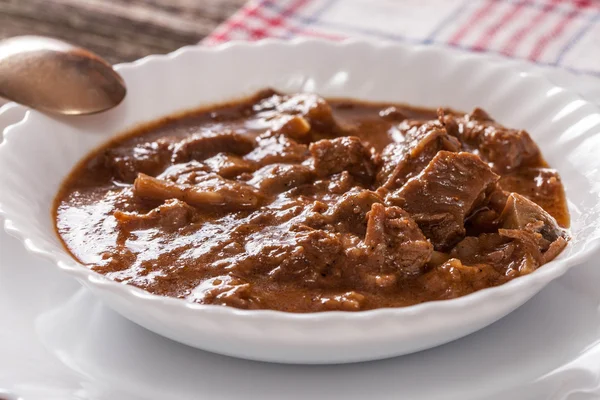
300,204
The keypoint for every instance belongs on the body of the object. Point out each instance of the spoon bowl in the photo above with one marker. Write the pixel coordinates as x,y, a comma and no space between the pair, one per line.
57,77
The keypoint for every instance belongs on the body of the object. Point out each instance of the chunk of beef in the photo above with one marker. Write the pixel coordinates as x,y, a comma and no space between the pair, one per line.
302,254
485,218
403,160
522,213
207,144
185,173
394,243
226,290
228,165
278,178
507,149
507,256
125,162
348,301
533,227
313,108
343,154
277,149
454,279
349,213
503,148
542,186
443,195
213,191
528,237
173,214
392,113
294,126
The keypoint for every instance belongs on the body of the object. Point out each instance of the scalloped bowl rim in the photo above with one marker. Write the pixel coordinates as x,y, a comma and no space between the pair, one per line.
547,273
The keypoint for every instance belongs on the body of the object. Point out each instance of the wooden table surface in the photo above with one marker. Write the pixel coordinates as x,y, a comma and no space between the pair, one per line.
118,30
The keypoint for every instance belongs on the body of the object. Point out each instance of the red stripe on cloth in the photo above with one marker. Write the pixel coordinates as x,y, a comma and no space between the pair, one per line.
474,20
221,34
518,36
483,42
545,40
256,11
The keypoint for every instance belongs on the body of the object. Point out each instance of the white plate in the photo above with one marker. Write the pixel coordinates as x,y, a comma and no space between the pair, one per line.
563,124
548,349
59,342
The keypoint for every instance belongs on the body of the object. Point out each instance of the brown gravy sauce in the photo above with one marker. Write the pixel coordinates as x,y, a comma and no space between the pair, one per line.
295,203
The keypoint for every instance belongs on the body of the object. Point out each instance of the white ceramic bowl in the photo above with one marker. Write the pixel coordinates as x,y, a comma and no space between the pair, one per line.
39,152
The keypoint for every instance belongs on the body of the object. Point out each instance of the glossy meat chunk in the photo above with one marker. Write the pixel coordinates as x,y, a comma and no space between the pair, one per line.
521,213
201,146
314,109
172,214
273,149
504,149
394,242
126,162
343,154
402,161
443,194
277,178
211,192
454,279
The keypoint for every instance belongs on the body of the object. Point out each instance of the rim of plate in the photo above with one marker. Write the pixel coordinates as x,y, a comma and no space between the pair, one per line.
547,273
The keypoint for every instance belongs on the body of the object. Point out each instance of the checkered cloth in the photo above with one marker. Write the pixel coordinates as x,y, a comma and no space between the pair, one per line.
560,33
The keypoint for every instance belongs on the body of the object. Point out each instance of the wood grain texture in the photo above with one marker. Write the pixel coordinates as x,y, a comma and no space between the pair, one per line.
118,30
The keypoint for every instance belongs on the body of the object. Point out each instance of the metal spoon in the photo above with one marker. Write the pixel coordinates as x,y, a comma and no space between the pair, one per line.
56,77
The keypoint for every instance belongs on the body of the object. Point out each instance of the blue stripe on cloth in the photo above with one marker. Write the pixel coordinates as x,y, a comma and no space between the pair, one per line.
327,4
576,38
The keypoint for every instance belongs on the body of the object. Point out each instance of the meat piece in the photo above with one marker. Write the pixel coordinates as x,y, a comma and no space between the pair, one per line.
349,213
523,214
226,290
443,195
339,183
228,166
278,178
485,218
207,144
503,148
554,249
402,161
392,113
214,191
308,105
302,254
507,149
454,279
535,229
394,243
185,173
277,149
542,186
343,154
349,301
496,250
294,126
172,214
126,162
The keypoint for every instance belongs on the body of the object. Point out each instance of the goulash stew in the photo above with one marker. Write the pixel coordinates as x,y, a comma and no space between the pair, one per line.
300,204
